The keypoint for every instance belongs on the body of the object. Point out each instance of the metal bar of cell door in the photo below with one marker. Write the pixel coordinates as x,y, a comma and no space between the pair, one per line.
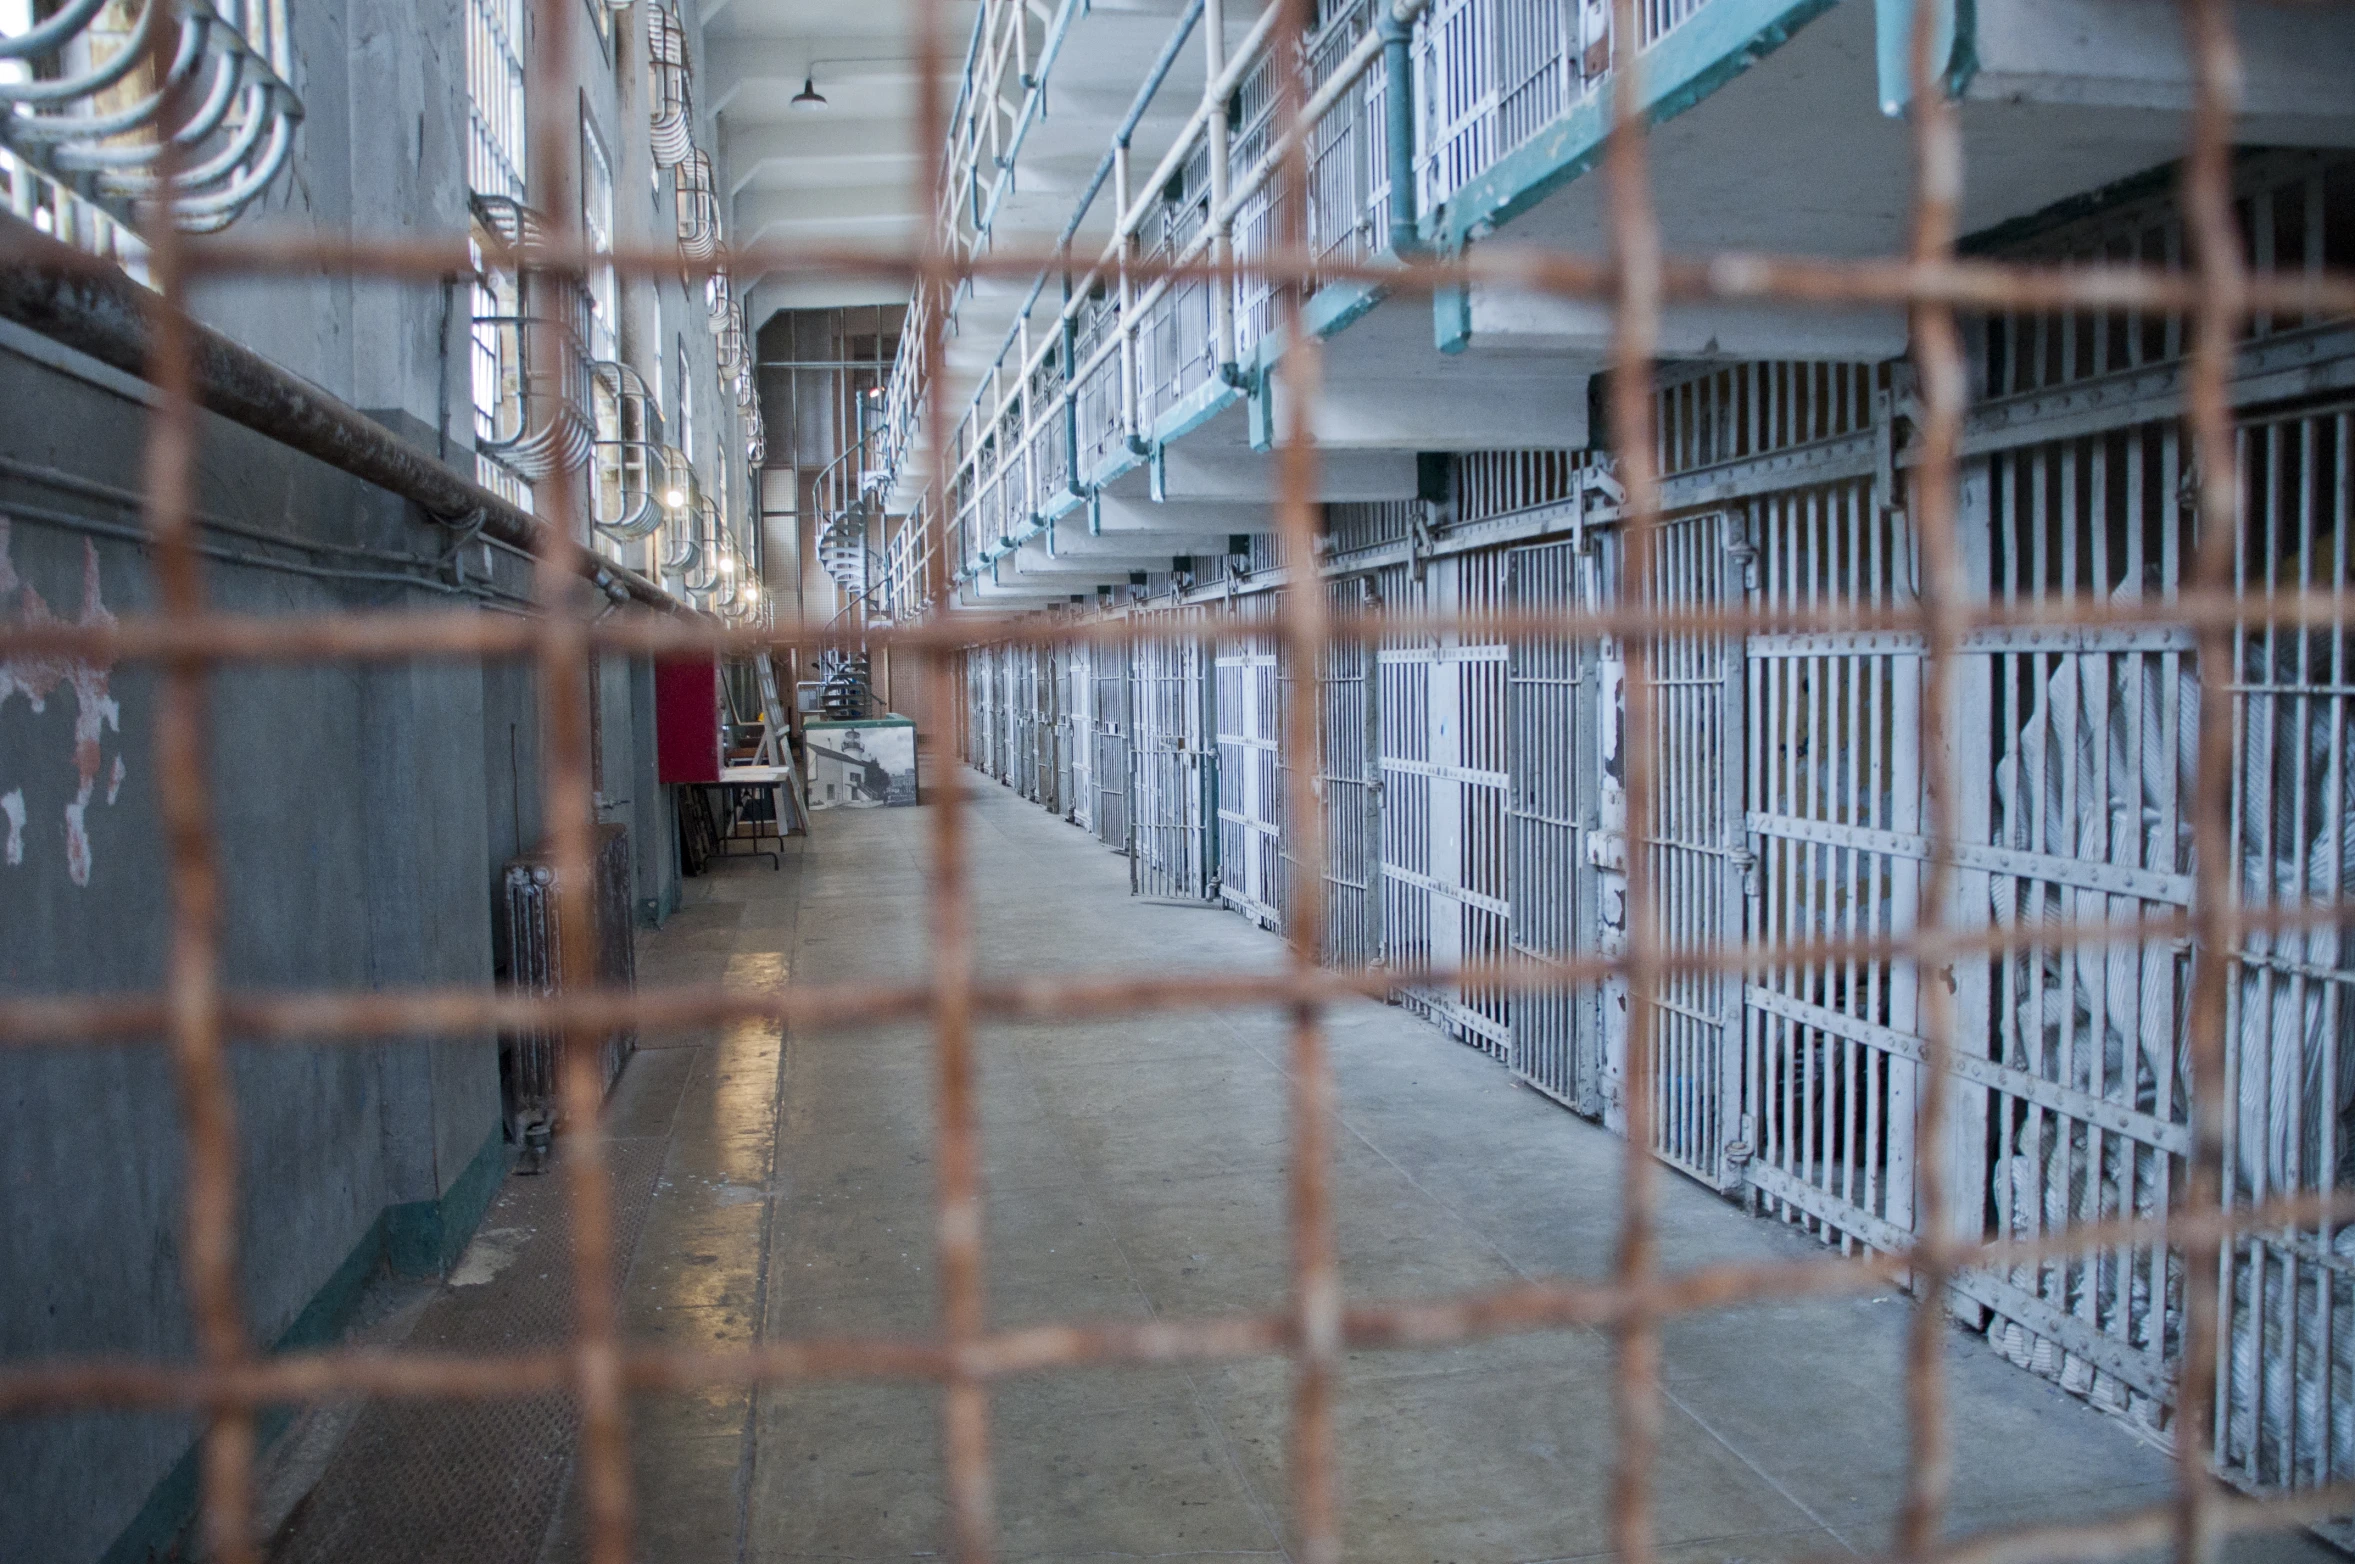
1549,761
1695,846
1207,801
1738,561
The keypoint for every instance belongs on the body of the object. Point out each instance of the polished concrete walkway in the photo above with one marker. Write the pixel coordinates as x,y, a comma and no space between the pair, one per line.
1135,1171
773,1188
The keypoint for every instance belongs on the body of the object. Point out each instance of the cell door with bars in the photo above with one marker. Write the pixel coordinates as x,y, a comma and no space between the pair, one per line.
2286,1379
1078,741
1250,722
976,728
1550,749
1832,1052
985,731
2083,1089
1172,775
1695,846
1349,773
1001,729
1022,710
1047,728
977,705
1346,788
2086,1085
1109,711
1441,724
989,728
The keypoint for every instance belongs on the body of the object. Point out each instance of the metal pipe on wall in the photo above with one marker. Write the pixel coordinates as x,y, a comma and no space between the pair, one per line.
1222,224
1398,124
61,294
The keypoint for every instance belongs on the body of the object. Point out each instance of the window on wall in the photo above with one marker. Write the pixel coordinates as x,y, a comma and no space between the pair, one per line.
686,404
497,367
495,133
609,408
597,227
494,98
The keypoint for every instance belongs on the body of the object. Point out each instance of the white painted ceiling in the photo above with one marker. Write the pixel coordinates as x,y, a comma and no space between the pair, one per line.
841,175
847,174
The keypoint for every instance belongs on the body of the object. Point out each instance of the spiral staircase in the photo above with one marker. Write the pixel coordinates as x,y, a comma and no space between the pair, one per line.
844,691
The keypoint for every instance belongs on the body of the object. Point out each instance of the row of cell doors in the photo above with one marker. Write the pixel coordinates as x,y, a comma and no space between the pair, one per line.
1445,776
1112,739
1475,808
1790,805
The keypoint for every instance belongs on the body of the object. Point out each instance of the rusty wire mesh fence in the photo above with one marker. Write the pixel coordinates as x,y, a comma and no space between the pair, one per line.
199,1020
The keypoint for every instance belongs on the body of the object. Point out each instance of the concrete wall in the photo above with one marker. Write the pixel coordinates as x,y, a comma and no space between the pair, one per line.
362,812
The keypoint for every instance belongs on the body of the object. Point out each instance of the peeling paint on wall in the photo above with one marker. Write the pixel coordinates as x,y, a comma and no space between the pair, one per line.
36,678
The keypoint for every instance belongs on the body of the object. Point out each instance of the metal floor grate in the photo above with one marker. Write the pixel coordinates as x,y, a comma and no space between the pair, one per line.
481,1481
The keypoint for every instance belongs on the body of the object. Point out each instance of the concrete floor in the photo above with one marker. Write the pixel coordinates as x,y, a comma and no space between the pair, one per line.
1135,1171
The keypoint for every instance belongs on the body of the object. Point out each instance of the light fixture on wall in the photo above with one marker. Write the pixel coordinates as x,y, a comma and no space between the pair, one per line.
809,100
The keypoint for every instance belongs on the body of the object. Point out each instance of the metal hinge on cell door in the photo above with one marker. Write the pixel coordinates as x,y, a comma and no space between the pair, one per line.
1740,552
1600,496
1889,407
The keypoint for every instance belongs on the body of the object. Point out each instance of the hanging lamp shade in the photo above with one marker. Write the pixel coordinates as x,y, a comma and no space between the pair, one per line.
809,100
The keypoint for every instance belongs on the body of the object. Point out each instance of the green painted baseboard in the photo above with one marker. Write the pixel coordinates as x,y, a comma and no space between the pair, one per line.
414,1238
425,1237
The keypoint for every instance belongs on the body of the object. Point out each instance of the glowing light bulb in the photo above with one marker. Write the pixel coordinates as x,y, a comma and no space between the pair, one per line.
675,498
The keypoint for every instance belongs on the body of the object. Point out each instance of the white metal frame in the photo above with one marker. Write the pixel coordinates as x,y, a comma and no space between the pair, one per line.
1250,726
1441,721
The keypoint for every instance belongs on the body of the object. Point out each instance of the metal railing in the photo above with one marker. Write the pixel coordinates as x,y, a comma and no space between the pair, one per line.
1487,76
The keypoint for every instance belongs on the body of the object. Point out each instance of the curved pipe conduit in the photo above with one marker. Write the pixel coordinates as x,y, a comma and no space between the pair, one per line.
671,112
699,223
625,503
218,103
61,294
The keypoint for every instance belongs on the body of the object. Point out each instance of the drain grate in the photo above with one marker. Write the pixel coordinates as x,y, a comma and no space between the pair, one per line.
474,1480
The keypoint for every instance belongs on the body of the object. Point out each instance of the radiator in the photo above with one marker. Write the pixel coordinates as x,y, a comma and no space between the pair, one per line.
528,1060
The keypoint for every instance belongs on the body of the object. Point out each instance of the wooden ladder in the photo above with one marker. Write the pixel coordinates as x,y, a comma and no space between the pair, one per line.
775,747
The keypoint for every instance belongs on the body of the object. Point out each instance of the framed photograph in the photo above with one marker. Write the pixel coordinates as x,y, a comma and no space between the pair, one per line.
861,765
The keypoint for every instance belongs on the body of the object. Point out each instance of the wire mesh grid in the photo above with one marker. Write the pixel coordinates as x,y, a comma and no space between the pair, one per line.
596,1367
